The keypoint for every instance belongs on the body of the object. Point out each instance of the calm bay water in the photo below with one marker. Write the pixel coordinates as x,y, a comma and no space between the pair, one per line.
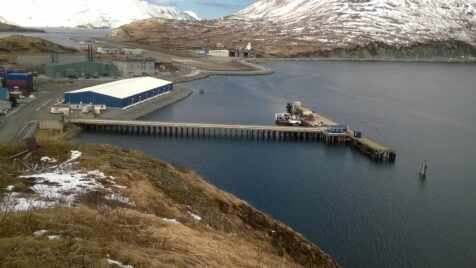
362,213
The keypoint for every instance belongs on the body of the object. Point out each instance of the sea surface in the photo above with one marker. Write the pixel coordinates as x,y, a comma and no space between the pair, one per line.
362,213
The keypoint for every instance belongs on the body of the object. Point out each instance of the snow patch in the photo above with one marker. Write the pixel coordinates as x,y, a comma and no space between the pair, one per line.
174,221
194,216
40,233
118,264
61,185
54,237
119,198
48,159
10,188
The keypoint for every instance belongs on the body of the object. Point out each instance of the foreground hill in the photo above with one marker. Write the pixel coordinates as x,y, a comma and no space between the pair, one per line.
89,205
285,28
4,27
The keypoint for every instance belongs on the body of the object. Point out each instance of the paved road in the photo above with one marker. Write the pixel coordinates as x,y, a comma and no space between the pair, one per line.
47,92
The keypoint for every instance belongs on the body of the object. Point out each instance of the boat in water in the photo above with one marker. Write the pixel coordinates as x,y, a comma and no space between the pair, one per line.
423,169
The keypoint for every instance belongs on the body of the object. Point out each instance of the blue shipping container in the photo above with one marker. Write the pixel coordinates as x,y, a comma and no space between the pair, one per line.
12,71
23,81
3,73
337,129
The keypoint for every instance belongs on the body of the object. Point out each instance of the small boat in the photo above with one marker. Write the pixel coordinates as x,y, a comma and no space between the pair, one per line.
423,169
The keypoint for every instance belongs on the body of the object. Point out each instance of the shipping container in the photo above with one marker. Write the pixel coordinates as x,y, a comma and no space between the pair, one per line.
3,71
337,129
24,81
17,71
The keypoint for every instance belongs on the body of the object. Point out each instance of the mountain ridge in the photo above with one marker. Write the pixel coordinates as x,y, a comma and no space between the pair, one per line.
86,13
318,27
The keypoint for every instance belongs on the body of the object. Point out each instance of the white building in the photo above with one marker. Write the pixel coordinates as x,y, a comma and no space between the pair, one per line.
108,50
136,67
133,51
60,109
219,53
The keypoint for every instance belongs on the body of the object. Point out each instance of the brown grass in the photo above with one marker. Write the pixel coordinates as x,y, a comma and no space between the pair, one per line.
230,234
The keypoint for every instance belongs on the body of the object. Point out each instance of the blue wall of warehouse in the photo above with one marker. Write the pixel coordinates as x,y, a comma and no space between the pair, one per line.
96,98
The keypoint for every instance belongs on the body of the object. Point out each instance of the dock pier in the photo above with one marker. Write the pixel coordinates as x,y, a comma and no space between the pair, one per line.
367,146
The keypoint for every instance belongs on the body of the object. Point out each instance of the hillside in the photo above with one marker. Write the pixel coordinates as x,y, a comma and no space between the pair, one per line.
86,13
91,205
284,28
12,46
4,27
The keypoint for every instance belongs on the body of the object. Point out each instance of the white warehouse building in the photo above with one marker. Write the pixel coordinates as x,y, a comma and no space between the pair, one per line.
121,93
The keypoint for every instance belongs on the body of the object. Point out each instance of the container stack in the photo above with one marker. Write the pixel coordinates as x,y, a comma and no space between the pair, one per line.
19,80
2,76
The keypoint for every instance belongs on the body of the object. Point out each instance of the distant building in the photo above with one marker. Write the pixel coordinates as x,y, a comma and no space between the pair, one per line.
80,69
242,53
122,93
108,50
60,108
133,51
136,67
219,53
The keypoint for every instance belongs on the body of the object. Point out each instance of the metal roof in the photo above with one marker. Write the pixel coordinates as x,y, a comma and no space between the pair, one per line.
125,88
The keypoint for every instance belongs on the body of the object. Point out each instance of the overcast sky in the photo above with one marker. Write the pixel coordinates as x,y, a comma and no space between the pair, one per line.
209,9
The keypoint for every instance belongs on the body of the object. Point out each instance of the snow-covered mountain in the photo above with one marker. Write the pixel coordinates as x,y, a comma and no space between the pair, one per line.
88,13
388,21
327,28
2,20
194,15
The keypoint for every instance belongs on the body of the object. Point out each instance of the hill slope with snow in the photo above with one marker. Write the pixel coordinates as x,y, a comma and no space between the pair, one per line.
387,21
85,13
327,28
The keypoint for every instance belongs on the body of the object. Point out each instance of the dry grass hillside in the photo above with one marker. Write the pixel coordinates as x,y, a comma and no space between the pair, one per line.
14,45
13,28
161,216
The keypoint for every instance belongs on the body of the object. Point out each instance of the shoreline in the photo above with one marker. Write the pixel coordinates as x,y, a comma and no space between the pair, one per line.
148,107
254,69
469,61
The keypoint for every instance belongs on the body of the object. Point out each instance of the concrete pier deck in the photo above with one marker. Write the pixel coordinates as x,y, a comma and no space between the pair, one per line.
366,145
